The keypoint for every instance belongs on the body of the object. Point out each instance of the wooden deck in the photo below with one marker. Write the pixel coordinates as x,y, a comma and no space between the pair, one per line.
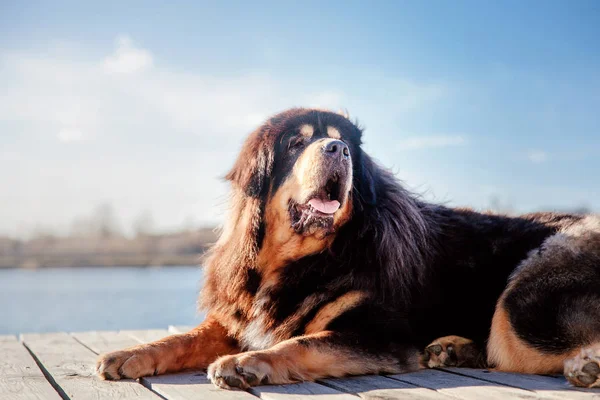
60,365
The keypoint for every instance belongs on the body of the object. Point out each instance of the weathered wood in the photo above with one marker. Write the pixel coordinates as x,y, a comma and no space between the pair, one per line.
300,391
191,385
105,341
373,387
67,362
463,387
548,386
20,377
70,368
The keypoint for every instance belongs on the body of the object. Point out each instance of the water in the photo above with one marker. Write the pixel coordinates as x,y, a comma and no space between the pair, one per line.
80,299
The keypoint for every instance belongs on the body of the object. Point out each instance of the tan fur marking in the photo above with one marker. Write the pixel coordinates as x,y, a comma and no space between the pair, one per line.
307,130
333,133
333,310
292,323
508,353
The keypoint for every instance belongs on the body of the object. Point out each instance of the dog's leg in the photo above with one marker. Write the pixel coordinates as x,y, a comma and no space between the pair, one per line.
306,358
194,349
453,351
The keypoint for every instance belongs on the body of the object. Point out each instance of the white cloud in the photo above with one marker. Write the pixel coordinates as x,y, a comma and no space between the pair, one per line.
435,141
70,135
10,156
537,156
127,58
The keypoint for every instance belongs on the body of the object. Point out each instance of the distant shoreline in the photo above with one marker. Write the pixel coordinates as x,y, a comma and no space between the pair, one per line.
174,249
83,260
4,267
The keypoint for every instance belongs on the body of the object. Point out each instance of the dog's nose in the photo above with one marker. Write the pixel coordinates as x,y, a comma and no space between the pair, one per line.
336,148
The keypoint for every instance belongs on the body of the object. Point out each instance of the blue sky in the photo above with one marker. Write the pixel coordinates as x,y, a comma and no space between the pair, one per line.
145,104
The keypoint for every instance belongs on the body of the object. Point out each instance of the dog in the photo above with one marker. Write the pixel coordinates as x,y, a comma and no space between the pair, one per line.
328,266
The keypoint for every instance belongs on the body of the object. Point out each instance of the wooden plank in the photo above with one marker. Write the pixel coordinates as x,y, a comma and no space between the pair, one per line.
15,360
105,341
70,368
530,382
20,377
373,387
549,386
191,385
463,387
300,391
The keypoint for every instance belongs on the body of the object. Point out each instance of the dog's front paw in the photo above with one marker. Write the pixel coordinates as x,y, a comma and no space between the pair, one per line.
452,351
239,371
125,364
584,369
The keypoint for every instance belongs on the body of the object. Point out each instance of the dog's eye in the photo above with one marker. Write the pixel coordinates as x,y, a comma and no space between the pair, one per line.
296,143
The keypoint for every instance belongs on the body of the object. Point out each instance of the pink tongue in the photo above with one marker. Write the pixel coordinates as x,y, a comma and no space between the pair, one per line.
326,207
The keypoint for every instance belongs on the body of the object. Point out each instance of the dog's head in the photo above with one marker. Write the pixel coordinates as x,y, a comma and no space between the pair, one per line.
305,166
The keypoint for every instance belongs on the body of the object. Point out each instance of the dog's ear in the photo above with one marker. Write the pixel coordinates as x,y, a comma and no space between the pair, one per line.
253,167
364,179
250,177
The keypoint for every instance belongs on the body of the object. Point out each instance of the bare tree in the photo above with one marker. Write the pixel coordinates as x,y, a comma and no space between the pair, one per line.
143,225
105,221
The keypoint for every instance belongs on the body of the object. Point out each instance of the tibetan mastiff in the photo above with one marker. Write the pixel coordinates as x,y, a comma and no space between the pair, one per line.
327,266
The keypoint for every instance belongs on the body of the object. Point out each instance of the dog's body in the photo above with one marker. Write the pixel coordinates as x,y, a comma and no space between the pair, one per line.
328,267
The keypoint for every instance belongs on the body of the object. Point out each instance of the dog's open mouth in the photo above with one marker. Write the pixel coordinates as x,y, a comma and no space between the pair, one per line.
317,213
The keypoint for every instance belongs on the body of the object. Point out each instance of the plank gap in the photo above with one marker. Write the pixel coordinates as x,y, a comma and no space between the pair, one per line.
338,388
84,345
485,379
148,386
464,387
47,374
544,385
